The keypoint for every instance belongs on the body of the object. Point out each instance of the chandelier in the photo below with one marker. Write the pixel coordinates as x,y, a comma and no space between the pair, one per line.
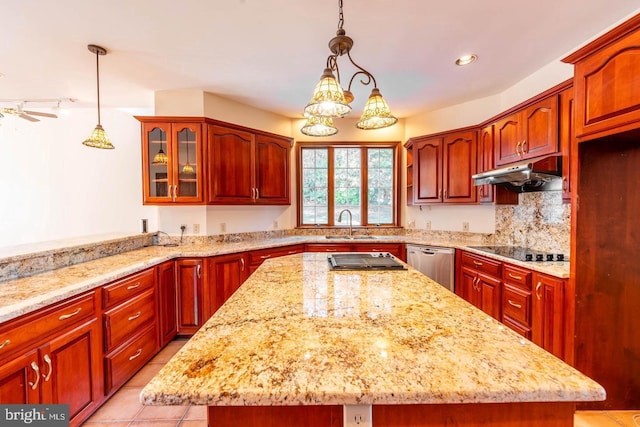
330,100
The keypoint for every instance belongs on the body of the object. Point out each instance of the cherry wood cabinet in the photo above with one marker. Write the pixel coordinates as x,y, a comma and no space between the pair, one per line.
409,183
167,302
442,168
190,294
479,282
516,299
567,135
19,379
257,257
529,133
246,167
227,273
327,247
606,83
486,161
179,176
549,313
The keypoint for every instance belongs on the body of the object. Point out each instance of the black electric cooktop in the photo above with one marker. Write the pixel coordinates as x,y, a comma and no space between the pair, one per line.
364,261
523,254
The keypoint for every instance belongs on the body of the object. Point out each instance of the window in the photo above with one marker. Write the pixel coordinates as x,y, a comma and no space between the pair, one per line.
362,178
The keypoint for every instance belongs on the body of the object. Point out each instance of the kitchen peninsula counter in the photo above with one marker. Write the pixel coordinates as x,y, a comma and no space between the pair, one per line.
297,334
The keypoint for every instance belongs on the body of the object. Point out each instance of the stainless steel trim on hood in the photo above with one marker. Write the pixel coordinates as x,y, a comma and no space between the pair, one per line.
540,174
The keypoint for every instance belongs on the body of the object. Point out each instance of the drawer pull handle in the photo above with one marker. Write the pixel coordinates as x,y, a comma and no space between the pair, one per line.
35,367
476,263
265,256
4,344
137,285
292,252
136,355
47,360
67,316
513,276
198,269
241,264
538,290
514,304
135,316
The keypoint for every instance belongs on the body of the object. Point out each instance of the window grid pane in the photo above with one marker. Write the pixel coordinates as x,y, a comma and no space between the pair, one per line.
348,184
315,186
380,185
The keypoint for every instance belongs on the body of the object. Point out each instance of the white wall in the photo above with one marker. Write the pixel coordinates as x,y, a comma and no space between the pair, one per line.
53,187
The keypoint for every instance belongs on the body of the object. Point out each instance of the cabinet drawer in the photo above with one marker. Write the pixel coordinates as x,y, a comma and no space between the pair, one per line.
127,360
481,263
119,291
335,247
259,256
521,329
16,334
124,320
516,304
517,276
393,248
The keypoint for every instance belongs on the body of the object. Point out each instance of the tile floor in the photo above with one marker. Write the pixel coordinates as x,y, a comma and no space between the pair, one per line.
125,410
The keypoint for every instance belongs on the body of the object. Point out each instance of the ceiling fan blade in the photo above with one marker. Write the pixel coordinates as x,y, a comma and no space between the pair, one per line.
26,117
37,113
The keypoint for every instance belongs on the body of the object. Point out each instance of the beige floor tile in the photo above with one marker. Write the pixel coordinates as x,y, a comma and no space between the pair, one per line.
122,406
193,423
144,375
196,412
607,418
161,413
168,352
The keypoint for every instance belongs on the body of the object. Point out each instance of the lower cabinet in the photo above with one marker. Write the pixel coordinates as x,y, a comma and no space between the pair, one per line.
257,257
549,314
190,294
479,282
19,379
167,302
226,273
396,249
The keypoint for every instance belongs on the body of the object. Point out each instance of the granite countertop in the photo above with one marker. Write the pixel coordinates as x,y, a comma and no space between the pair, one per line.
296,333
27,294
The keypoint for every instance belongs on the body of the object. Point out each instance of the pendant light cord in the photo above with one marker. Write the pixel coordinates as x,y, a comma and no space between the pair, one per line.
98,81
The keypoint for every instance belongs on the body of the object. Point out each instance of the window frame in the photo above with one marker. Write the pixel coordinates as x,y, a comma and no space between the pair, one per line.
363,146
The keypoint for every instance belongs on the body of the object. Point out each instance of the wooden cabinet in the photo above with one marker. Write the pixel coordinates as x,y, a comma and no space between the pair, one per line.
548,313
167,302
227,273
567,135
529,133
479,282
172,160
396,249
54,356
409,183
486,161
607,84
257,257
442,168
190,294
246,167
327,247
516,299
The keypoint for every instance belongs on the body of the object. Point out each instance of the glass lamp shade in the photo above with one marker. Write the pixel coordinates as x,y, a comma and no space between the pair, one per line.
376,114
160,158
328,98
319,126
188,169
98,139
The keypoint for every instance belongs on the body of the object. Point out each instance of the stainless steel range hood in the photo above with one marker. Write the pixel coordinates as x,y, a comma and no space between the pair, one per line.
540,174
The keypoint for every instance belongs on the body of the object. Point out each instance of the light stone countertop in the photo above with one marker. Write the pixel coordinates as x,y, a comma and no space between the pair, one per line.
27,294
296,333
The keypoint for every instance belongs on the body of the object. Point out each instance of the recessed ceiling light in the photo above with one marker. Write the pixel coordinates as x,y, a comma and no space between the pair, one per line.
1,75
466,59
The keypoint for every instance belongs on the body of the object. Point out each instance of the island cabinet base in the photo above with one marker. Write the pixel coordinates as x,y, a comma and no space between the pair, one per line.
554,414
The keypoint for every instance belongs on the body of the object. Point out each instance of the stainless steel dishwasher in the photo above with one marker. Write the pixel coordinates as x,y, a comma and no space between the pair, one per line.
434,262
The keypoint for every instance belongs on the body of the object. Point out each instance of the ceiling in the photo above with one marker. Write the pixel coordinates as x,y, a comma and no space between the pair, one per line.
271,53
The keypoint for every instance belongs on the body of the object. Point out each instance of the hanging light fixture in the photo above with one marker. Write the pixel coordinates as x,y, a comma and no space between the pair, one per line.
187,168
331,101
160,158
98,138
319,126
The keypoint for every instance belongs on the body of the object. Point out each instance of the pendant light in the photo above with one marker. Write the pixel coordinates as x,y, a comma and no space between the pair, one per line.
187,168
319,126
160,158
332,101
98,138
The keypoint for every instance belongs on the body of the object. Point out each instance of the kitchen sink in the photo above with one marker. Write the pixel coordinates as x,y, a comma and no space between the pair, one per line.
351,237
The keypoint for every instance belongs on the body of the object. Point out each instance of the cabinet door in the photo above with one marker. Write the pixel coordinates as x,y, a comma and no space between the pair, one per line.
490,291
156,173
190,304
540,125
567,134
71,370
186,158
485,162
167,302
427,170
272,174
548,313
20,379
227,273
507,139
231,160
466,286
459,164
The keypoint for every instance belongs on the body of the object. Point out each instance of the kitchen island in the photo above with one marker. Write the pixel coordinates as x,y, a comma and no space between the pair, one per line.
298,342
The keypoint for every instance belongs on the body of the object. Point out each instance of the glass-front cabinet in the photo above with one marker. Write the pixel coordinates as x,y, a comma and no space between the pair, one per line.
172,162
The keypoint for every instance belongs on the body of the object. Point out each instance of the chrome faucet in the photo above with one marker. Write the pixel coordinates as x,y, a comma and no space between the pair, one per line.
350,220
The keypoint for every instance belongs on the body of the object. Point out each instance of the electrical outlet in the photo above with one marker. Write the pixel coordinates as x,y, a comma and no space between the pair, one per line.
465,226
412,224
275,225
357,416
223,227
427,225
196,228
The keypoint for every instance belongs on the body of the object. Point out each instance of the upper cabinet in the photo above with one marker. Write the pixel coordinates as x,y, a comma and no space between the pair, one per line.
248,167
442,168
196,160
528,133
172,162
607,83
